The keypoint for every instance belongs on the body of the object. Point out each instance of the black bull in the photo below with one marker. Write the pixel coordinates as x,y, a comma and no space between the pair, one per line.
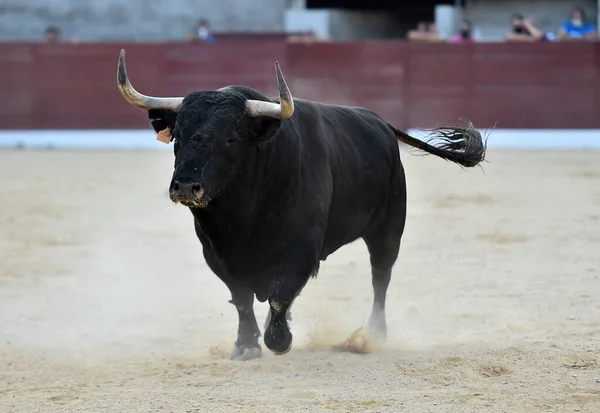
277,185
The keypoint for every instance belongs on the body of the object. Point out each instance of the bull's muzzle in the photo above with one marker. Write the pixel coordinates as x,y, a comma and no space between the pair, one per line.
188,193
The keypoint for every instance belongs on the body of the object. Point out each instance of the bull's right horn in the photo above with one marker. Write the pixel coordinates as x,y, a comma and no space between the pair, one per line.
135,98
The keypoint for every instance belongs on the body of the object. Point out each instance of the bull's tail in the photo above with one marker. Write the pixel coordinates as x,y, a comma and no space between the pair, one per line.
463,146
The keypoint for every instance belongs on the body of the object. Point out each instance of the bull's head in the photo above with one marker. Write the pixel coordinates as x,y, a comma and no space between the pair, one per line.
214,132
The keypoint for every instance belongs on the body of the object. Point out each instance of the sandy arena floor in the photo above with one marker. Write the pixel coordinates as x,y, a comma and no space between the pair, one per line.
106,304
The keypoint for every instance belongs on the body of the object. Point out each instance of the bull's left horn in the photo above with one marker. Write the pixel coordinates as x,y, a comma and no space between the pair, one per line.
283,110
135,98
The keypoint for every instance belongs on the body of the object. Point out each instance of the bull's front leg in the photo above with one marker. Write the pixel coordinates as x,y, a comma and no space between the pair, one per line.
297,265
246,346
268,319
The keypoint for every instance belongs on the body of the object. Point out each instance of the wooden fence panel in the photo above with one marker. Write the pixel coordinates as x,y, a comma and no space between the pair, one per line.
73,86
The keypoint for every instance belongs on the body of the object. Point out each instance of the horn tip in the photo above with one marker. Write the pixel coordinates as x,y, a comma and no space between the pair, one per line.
121,71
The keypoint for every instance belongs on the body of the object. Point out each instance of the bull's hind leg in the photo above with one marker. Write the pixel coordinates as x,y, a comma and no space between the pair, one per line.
384,245
383,256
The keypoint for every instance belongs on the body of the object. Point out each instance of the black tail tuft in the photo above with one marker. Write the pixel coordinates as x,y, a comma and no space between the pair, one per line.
463,146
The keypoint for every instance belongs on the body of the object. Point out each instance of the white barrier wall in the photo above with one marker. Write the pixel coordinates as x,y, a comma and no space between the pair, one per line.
146,139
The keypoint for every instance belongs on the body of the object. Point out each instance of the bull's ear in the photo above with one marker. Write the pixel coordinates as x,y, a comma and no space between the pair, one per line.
264,128
161,119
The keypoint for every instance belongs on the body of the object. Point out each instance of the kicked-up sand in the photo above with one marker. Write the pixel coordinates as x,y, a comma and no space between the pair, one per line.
107,305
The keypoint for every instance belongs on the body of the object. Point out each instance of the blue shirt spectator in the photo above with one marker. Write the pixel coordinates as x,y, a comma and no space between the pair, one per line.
577,27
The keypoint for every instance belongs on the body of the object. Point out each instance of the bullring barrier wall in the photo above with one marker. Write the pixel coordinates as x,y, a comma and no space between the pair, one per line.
506,86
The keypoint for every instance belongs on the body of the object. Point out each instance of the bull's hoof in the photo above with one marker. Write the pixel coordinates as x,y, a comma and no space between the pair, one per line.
377,330
379,336
278,339
281,353
245,354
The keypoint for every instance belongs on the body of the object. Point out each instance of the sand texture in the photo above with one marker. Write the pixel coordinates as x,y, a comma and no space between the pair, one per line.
107,305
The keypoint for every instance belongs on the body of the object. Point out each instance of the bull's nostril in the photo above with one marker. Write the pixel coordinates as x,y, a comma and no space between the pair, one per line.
196,188
175,187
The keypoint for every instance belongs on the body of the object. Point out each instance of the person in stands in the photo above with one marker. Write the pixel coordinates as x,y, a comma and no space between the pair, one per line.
52,34
425,32
465,33
202,32
577,27
524,30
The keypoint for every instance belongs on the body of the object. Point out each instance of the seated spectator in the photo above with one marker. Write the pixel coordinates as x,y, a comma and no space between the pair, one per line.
524,30
419,33
465,33
536,31
202,32
52,34
577,28
425,32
